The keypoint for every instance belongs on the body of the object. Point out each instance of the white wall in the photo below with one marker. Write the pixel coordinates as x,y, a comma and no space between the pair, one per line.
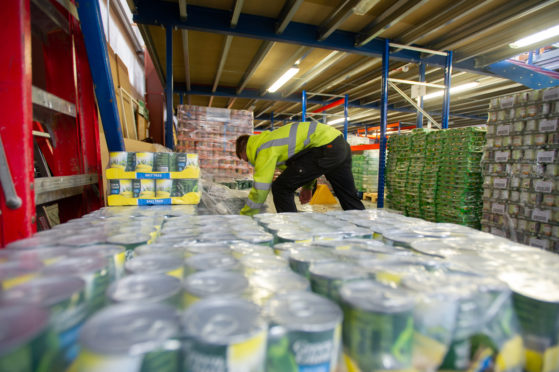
121,45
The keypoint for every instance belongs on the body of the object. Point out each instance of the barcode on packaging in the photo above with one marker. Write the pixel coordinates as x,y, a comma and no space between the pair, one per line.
498,208
541,215
539,243
502,156
546,156
550,94
503,130
507,102
500,183
548,125
543,186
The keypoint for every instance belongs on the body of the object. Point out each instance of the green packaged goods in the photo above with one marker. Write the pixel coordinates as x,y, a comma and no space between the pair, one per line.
143,189
122,160
305,333
26,343
162,162
155,264
121,187
146,288
114,254
378,326
213,283
144,161
64,298
327,278
300,261
93,270
223,335
131,337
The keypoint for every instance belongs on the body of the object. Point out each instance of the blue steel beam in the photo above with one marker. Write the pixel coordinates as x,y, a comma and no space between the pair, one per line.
383,120
169,139
164,13
201,90
446,100
98,57
304,105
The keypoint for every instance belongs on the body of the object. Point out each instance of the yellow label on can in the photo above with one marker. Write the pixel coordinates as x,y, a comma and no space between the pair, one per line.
189,300
178,273
388,277
144,161
249,355
12,282
91,362
510,356
428,353
119,264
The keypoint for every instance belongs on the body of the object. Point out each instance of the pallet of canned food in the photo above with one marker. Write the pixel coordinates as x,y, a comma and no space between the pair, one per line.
148,178
521,187
160,289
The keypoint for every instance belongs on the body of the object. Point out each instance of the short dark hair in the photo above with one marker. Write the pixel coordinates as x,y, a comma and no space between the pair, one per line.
241,144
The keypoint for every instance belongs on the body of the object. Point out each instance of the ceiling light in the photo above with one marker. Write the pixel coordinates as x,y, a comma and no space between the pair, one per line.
337,121
457,89
364,6
283,79
537,37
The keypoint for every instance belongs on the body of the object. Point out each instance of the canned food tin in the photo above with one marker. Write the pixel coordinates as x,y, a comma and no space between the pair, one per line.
132,338
327,278
301,260
242,249
155,264
163,188
211,261
224,335
159,248
25,339
91,269
121,187
144,161
213,283
258,262
47,255
147,288
378,326
143,188
284,249
203,248
269,283
64,298
162,162
114,254
14,273
130,241
305,333
122,160
82,240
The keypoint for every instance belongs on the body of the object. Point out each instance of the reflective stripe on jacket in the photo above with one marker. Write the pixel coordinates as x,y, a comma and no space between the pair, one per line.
270,150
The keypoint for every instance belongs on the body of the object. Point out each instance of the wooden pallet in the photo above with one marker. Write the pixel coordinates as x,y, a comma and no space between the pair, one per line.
370,195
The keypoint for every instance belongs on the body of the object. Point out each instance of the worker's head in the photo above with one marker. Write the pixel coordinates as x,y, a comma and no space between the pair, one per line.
241,147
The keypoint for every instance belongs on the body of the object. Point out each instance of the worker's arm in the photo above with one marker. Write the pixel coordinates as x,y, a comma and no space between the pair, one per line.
264,169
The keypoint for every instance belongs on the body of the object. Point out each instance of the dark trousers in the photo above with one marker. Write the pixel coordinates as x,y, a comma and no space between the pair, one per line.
332,160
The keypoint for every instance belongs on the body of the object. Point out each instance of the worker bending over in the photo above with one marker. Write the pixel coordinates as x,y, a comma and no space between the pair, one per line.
304,151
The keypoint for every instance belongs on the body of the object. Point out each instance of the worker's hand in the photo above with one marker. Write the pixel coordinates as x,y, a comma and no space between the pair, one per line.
305,196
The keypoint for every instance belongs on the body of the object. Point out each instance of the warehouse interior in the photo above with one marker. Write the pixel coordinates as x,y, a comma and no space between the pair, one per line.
280,185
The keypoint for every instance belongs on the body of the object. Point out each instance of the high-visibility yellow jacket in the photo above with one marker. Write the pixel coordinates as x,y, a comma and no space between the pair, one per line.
270,150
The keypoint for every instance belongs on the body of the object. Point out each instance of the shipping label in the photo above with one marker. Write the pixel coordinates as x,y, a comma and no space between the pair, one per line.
502,156
543,186
551,94
507,102
539,243
500,183
541,215
548,125
503,130
498,208
546,156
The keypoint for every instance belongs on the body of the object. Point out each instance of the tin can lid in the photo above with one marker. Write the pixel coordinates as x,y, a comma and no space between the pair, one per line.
19,324
75,266
215,282
541,287
42,254
144,288
104,250
43,291
13,269
263,262
130,328
368,295
337,270
159,248
152,263
279,281
209,261
256,237
303,311
223,321
401,236
366,244
201,248
295,236
81,240
32,242
312,255
249,248
126,239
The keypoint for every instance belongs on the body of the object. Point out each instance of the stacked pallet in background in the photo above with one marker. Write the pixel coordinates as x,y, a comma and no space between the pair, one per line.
436,175
521,194
397,165
365,171
211,132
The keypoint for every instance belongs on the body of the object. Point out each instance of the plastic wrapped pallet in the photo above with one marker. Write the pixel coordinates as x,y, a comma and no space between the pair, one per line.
521,193
211,132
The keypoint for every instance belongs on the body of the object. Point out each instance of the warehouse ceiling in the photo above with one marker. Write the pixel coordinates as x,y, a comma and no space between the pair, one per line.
227,53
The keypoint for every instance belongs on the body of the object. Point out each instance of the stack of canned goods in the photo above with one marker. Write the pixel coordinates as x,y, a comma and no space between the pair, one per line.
152,161
521,188
161,289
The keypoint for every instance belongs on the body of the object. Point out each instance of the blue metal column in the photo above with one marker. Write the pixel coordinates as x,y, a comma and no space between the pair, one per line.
98,57
180,98
446,102
169,140
419,123
383,119
346,101
304,104
272,120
